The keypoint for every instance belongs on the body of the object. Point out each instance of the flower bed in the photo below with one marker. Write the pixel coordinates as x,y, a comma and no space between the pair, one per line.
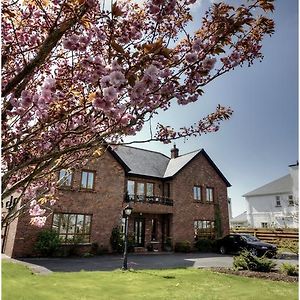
274,275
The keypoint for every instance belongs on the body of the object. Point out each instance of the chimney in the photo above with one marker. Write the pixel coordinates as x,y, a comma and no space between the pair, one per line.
174,152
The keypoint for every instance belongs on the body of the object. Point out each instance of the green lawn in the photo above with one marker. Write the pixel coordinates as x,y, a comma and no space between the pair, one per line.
19,283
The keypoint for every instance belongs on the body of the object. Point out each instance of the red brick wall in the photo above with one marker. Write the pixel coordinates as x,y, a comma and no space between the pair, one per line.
186,210
104,203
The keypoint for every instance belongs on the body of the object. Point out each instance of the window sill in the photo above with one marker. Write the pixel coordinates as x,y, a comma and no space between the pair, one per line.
87,191
79,244
66,188
278,206
203,202
154,242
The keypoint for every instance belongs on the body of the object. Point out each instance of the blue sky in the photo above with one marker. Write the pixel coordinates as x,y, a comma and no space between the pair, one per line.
261,139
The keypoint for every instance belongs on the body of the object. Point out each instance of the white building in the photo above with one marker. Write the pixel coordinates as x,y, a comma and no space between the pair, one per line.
276,203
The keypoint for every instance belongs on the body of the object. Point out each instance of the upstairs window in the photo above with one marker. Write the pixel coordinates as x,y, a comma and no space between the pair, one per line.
209,194
65,178
87,180
291,200
131,189
278,202
140,191
197,193
149,189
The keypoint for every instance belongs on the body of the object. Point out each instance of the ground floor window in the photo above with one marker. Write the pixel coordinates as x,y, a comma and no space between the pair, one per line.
204,229
264,225
72,227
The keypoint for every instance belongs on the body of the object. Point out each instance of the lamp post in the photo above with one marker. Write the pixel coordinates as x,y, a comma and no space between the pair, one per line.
127,212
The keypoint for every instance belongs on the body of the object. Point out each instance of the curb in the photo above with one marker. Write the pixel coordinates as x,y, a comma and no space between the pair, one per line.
38,270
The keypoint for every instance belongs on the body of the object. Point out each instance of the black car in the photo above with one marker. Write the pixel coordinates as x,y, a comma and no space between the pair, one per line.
234,243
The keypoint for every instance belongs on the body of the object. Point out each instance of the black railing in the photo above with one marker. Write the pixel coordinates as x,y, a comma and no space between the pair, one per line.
148,199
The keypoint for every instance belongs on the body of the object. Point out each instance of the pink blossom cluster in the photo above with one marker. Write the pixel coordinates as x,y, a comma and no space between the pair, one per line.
76,42
38,221
36,210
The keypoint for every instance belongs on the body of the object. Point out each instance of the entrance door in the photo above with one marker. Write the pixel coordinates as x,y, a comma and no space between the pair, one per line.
139,232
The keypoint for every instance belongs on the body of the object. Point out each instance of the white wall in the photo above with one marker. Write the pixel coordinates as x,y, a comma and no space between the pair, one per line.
264,209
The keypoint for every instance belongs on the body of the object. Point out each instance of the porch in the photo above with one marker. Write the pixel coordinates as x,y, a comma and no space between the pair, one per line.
150,232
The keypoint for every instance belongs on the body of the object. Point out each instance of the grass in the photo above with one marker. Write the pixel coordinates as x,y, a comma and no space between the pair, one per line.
19,283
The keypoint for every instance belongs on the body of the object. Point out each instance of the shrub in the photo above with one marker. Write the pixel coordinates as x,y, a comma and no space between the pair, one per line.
205,245
184,246
47,242
288,245
116,240
289,269
87,255
248,261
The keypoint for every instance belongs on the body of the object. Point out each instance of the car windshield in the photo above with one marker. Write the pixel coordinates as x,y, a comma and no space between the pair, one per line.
250,238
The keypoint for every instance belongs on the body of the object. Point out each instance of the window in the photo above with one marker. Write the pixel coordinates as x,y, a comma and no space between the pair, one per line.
204,229
264,225
209,194
65,178
140,191
278,203
72,227
197,193
87,180
130,189
150,189
153,229
291,200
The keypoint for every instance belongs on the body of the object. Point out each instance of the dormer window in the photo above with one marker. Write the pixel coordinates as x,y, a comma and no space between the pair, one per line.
278,201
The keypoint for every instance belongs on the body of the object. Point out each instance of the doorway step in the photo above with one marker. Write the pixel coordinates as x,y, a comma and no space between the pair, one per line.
140,250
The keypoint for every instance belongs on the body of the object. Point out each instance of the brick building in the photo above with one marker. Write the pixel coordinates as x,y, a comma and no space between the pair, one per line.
176,198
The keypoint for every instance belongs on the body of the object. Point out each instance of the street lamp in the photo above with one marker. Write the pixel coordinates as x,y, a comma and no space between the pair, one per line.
126,212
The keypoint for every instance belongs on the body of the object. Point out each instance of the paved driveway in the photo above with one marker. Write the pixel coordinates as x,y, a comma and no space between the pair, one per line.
139,261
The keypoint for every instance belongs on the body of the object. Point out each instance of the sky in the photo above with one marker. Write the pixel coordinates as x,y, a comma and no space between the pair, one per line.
261,139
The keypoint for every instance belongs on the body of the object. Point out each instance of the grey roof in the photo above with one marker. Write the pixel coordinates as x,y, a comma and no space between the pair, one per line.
176,164
240,218
278,186
143,162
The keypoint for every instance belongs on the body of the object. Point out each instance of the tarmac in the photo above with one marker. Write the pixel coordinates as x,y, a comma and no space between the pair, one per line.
45,266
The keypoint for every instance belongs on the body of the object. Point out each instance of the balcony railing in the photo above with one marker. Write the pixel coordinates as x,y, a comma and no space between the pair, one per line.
148,199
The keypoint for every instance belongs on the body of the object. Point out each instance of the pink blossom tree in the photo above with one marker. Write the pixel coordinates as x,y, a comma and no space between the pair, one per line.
78,77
